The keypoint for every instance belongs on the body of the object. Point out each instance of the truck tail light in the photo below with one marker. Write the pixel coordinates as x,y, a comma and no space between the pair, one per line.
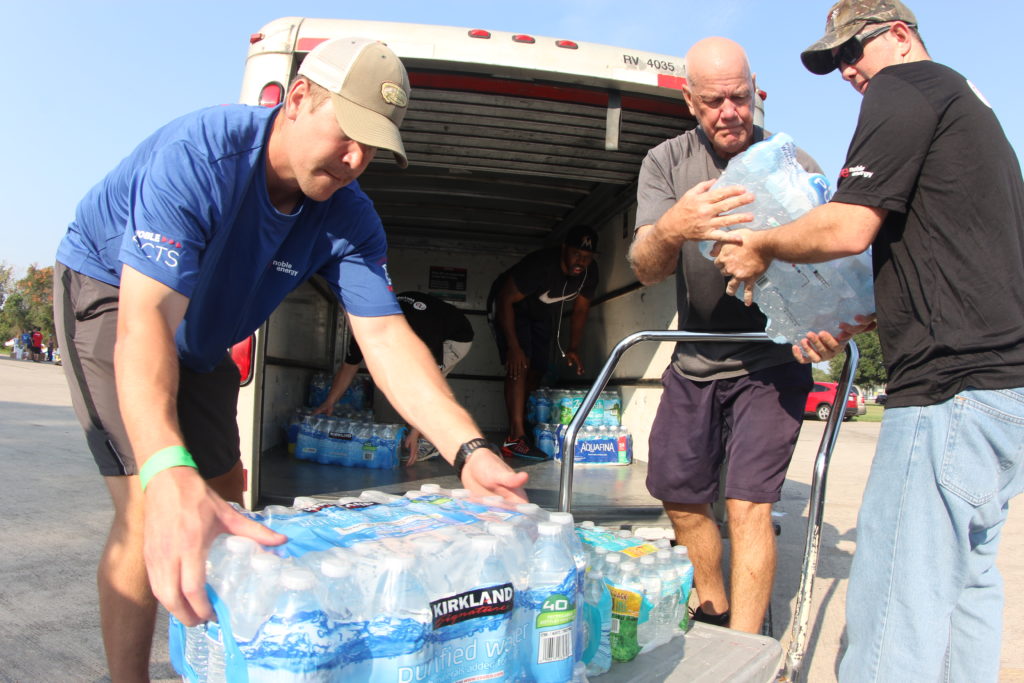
567,44
241,354
523,38
271,95
479,33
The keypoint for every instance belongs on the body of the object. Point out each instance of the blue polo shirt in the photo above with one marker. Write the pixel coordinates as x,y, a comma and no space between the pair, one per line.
189,208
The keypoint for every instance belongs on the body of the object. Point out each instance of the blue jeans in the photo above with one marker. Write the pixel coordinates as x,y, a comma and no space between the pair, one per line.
925,599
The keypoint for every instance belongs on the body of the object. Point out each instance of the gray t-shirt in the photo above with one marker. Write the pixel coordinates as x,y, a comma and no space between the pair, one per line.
668,171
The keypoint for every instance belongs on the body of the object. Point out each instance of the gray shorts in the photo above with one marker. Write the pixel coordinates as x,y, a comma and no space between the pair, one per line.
85,315
754,420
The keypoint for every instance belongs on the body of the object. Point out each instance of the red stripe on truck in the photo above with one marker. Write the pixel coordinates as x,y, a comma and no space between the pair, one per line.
307,44
674,82
498,86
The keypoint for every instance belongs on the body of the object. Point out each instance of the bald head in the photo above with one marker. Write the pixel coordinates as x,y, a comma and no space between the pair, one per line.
720,93
716,58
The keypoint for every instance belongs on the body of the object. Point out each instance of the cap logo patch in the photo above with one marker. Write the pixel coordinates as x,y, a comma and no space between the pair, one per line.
586,243
394,94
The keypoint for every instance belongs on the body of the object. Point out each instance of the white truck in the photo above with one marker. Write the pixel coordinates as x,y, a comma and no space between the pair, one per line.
512,140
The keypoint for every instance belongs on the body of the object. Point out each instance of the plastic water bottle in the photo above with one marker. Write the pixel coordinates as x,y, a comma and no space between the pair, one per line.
627,605
612,408
546,439
516,548
550,607
598,558
397,634
255,598
296,643
579,556
490,584
685,569
671,584
196,650
542,408
595,417
650,633
597,617
226,562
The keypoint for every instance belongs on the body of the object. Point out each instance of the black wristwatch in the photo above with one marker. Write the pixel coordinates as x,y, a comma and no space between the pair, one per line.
467,448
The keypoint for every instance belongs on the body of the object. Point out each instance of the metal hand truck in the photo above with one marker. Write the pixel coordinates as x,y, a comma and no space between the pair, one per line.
792,667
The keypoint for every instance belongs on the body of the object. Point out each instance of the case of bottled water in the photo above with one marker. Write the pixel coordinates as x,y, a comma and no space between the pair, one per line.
796,298
348,442
594,445
358,397
648,594
558,406
432,586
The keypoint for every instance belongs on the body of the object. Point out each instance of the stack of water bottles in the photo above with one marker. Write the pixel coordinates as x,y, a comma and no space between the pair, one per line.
796,298
431,586
357,398
603,440
645,594
559,406
348,441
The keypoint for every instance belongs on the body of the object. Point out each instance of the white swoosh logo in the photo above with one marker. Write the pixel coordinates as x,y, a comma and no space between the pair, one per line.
545,299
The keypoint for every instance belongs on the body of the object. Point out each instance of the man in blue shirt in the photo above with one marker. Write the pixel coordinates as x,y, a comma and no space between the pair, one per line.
183,250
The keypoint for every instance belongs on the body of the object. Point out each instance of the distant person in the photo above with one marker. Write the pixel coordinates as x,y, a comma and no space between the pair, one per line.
743,401
445,330
184,249
36,347
525,306
933,186
50,346
25,345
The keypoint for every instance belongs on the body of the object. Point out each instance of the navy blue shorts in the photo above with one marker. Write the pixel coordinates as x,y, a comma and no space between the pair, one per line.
754,420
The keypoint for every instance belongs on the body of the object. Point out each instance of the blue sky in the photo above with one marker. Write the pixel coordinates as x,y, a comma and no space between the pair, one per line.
88,80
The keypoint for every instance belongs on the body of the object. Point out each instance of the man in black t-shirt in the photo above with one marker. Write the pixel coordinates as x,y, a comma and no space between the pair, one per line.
525,307
444,329
934,187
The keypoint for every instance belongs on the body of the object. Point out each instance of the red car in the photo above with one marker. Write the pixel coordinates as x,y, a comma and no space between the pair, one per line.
819,401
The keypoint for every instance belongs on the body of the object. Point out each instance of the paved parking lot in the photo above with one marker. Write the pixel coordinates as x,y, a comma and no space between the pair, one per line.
58,512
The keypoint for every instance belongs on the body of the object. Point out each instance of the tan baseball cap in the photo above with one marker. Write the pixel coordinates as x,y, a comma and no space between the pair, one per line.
846,19
369,90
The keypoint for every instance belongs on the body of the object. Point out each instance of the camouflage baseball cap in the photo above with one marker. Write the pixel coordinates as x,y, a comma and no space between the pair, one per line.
846,19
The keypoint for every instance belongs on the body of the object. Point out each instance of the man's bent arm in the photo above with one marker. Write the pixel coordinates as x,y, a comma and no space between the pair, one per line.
182,514
652,255
404,370
701,213
824,233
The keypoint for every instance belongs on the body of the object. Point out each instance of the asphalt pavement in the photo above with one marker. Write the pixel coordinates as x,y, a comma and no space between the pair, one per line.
58,511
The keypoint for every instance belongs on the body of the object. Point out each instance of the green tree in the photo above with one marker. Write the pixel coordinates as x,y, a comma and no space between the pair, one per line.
870,368
27,303
6,277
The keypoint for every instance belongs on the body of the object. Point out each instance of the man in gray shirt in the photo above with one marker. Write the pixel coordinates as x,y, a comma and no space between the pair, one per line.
743,401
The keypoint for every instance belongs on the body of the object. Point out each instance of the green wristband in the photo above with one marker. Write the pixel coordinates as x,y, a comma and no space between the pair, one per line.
165,458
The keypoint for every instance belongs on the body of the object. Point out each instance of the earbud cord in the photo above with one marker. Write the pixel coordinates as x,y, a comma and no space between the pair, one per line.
561,310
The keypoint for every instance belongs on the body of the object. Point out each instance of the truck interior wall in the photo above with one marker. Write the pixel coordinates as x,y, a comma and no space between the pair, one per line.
617,316
300,339
410,268
610,320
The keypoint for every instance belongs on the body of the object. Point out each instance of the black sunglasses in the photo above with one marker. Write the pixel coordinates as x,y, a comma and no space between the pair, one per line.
852,50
